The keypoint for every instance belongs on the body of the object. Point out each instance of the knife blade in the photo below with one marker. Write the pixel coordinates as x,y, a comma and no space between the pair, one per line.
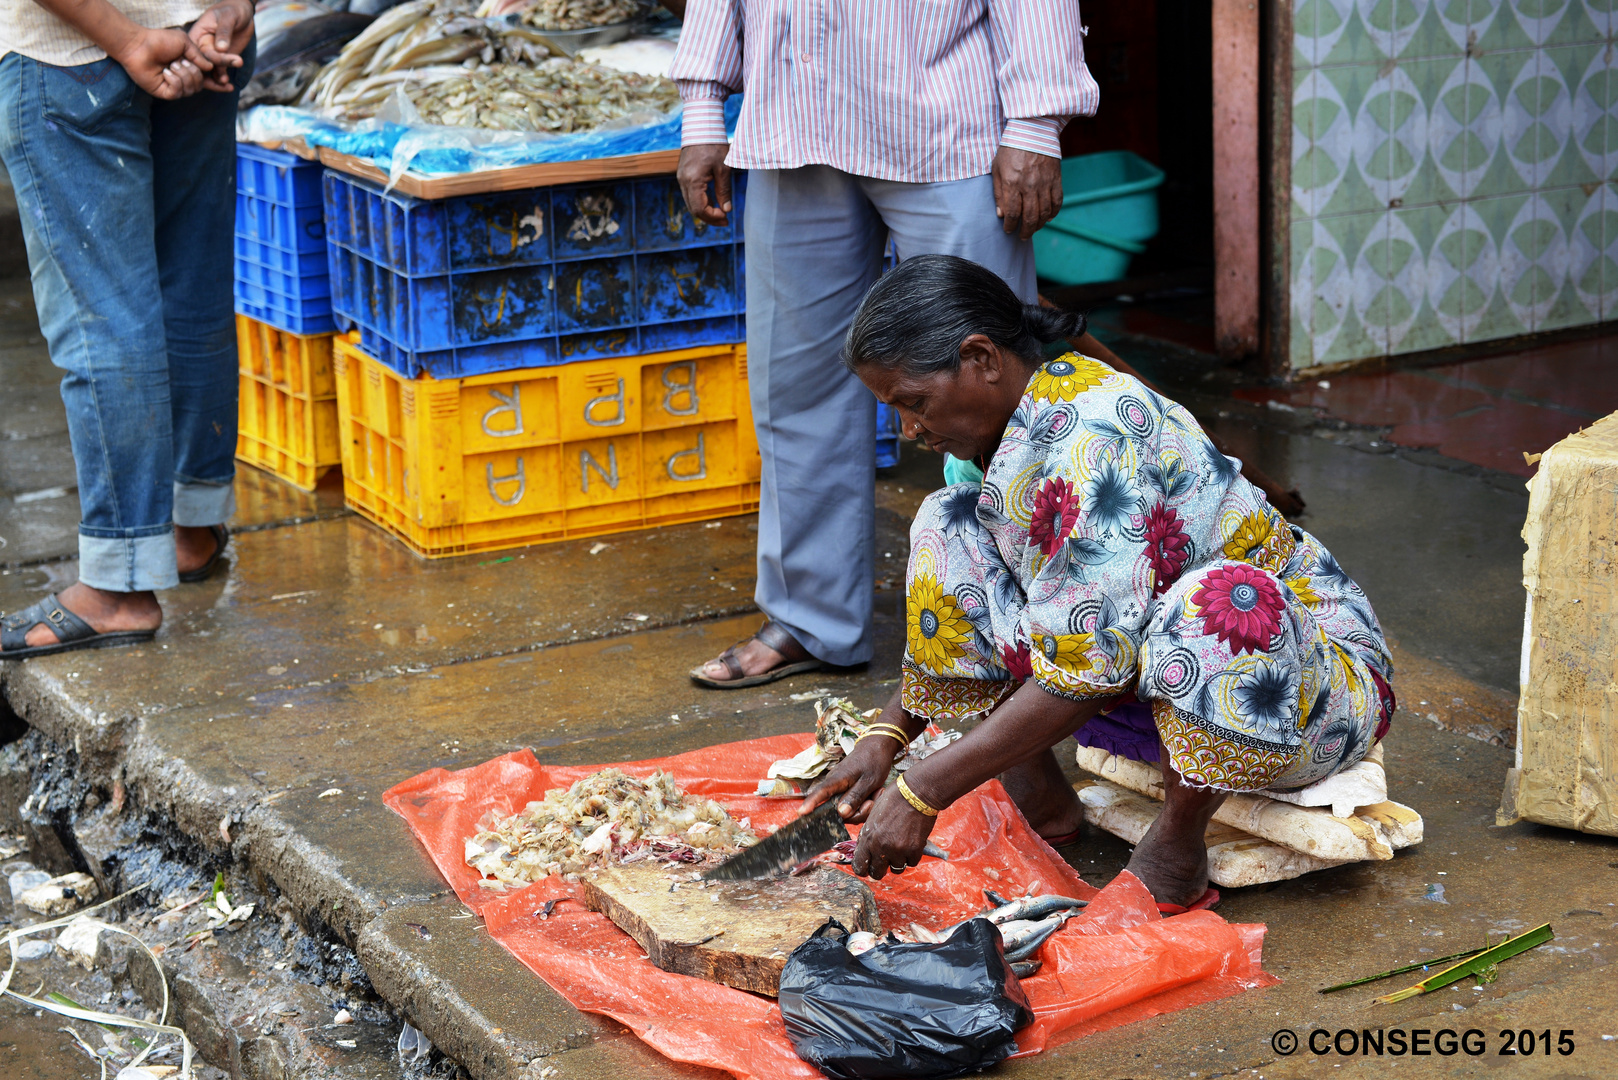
785,848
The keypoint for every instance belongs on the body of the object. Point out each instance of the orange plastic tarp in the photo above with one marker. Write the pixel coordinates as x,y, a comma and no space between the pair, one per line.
1118,962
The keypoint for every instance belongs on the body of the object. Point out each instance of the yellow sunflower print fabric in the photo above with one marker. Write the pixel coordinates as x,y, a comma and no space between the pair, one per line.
1112,551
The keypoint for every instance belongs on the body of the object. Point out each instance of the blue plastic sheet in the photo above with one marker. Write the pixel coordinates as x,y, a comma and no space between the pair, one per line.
438,151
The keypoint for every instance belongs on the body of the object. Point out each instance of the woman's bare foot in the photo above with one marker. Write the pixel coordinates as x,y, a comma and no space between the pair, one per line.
105,611
1172,865
194,545
1044,796
1171,860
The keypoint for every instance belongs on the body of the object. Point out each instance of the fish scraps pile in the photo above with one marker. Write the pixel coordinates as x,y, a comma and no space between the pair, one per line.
580,14
838,726
559,96
608,817
567,14
459,69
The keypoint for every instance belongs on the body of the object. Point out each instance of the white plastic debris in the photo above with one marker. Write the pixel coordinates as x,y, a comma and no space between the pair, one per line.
33,950
36,946
343,1017
329,792
60,895
80,940
413,1046
221,913
23,880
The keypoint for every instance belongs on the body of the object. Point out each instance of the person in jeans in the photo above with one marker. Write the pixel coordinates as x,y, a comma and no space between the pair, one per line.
117,125
937,123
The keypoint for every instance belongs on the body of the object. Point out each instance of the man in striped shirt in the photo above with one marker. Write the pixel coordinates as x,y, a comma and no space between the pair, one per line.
937,122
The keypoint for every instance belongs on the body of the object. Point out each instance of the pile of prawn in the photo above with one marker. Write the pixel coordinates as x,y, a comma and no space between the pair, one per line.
461,69
606,818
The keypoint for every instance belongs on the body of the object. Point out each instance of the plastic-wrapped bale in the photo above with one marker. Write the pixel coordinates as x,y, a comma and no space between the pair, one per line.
1567,727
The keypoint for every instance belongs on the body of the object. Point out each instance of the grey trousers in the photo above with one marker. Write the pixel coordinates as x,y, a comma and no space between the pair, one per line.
815,237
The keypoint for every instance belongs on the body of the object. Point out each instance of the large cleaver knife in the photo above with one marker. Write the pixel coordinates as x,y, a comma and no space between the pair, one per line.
785,848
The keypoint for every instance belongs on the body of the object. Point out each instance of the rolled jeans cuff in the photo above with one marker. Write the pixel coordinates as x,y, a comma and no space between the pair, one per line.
129,563
198,504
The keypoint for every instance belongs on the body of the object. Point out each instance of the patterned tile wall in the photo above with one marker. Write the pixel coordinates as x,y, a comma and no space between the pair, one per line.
1453,172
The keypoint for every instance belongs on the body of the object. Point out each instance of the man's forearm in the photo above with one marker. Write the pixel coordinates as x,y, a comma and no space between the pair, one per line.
97,20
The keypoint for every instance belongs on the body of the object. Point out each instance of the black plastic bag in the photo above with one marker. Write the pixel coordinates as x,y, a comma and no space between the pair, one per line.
902,1010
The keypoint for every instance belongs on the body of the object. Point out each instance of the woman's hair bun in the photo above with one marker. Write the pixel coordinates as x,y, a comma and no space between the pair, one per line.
1050,324
916,316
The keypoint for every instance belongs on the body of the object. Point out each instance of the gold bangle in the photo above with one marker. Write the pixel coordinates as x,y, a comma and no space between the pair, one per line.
891,729
914,800
876,735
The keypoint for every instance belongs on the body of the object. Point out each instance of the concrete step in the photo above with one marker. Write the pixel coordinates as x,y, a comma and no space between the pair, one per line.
329,657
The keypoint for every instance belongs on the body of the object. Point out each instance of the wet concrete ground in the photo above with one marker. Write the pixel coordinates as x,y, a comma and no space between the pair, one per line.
328,657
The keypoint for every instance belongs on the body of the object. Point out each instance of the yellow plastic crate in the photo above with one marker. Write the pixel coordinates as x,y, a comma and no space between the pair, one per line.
512,458
287,412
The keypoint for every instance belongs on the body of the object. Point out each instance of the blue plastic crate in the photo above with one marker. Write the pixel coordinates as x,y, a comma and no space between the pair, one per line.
888,436
282,273
284,313
482,283
299,229
277,176
513,228
286,294
306,264
294,287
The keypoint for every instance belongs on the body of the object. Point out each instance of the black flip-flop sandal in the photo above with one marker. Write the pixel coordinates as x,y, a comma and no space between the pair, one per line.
221,536
772,635
71,632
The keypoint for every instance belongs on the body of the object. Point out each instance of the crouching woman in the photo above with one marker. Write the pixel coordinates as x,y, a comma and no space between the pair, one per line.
1112,569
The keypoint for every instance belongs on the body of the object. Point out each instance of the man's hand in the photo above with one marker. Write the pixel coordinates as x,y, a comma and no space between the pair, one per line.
856,780
165,63
893,838
1027,189
221,33
700,166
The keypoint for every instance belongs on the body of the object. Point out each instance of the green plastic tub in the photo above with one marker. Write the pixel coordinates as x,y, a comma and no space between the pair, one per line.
1109,211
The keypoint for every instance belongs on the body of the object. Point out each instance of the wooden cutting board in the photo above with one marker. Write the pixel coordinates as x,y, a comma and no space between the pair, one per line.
739,933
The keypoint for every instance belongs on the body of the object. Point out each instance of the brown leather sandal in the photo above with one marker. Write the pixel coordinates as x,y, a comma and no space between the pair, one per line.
773,635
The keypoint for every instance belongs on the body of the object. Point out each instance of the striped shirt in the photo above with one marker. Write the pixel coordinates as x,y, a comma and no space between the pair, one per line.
29,29
911,90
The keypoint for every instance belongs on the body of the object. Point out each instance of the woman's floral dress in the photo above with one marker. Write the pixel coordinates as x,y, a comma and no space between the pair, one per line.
1112,550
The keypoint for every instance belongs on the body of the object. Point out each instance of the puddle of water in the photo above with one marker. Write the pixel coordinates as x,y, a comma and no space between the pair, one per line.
31,1047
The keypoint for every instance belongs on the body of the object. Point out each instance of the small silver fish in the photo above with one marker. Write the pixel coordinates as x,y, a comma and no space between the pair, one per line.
1033,907
1027,942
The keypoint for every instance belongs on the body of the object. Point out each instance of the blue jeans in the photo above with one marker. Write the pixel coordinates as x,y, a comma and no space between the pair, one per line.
128,207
